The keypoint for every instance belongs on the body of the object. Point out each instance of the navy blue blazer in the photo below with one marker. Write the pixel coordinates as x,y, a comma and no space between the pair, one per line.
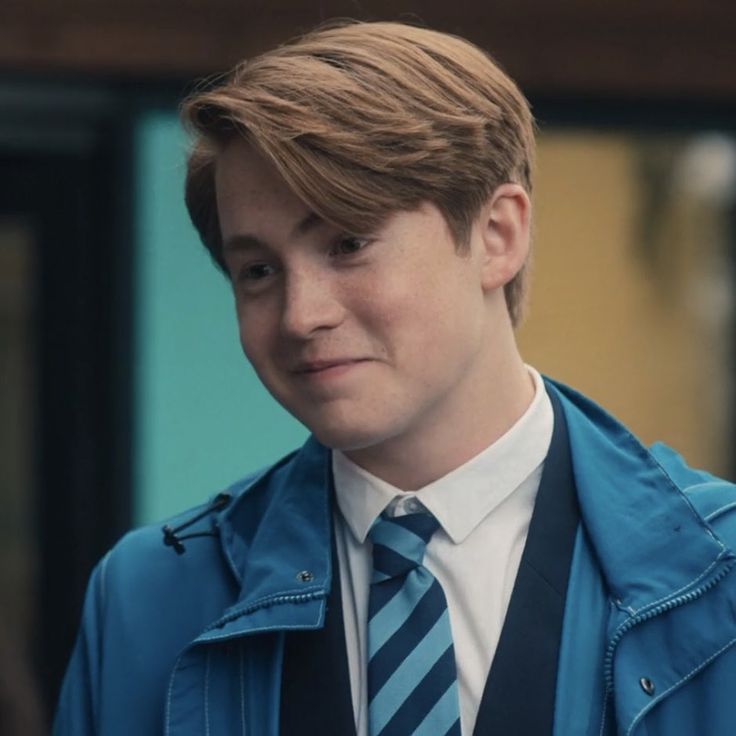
519,693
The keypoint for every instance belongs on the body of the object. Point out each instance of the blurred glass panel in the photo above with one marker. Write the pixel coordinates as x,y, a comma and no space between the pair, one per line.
633,287
202,418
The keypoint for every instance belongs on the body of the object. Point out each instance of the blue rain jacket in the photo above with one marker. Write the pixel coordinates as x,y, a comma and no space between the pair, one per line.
192,644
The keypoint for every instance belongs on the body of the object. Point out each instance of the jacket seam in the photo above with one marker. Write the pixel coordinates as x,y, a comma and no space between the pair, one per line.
169,694
675,685
715,514
628,609
207,693
274,598
636,447
644,455
680,493
242,691
687,585
259,630
267,602
606,696
239,489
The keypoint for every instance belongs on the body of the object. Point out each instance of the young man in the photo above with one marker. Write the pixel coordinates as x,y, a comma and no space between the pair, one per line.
462,546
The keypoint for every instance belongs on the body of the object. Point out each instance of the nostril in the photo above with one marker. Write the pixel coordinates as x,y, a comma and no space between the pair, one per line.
309,309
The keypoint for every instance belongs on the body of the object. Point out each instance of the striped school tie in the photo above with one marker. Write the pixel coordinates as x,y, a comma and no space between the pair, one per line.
412,682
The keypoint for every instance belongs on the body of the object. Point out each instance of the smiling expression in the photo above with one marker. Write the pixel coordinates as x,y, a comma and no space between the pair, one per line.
366,339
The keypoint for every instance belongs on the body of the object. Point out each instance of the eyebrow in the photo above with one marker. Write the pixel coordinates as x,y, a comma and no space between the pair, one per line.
244,241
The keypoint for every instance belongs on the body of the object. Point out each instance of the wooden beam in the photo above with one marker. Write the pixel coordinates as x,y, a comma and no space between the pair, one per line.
674,49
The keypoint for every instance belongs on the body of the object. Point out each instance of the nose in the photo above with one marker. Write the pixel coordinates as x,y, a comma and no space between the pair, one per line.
310,304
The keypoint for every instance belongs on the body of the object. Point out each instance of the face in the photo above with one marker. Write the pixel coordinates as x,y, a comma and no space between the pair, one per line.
368,339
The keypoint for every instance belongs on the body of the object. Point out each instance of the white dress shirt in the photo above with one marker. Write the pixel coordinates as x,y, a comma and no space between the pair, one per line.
484,508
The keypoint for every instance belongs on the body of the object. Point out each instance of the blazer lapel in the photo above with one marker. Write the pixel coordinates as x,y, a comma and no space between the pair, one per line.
519,695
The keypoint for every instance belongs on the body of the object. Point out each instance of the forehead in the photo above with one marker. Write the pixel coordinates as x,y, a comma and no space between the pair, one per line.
255,205
244,179
253,198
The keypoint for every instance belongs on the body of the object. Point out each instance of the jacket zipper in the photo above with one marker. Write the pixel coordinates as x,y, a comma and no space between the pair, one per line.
646,616
266,603
656,611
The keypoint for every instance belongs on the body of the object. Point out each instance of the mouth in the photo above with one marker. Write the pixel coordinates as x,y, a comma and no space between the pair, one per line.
327,367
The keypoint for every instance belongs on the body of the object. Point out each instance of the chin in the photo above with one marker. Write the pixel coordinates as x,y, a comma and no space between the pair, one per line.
349,425
346,436
345,440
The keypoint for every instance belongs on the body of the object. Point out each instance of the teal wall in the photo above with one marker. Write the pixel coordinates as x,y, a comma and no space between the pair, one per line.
201,418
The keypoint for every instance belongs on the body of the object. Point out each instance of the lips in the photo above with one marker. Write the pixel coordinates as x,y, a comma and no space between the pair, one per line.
318,366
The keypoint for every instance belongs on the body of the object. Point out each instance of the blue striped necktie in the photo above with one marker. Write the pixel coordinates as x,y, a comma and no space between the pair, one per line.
412,682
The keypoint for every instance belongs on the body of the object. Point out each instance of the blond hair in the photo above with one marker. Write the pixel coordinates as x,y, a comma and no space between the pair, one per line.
364,119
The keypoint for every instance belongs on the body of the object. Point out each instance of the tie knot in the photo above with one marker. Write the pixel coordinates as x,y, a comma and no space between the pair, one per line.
399,543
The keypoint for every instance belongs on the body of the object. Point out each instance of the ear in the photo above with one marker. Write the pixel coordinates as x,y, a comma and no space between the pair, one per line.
504,229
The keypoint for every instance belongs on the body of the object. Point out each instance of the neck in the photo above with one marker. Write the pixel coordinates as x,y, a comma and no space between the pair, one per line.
486,408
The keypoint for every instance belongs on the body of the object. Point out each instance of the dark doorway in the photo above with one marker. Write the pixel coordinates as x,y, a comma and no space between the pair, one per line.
64,225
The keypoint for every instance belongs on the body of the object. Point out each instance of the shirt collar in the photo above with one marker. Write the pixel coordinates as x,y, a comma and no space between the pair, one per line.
461,499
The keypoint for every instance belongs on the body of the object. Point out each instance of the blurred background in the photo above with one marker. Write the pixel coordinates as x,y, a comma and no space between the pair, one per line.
123,394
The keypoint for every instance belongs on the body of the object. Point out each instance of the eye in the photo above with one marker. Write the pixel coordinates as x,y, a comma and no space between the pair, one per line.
252,274
256,271
348,245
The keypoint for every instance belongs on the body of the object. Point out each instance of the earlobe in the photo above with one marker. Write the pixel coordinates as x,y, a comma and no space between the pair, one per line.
505,229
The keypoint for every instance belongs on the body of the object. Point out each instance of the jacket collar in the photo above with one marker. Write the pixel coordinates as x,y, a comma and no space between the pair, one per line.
276,537
649,541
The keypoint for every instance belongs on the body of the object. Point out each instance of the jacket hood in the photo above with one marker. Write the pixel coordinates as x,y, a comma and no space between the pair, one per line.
649,540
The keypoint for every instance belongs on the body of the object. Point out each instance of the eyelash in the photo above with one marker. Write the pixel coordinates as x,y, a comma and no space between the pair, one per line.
248,273
335,250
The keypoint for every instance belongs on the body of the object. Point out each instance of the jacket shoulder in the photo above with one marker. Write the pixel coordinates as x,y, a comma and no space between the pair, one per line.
148,537
712,497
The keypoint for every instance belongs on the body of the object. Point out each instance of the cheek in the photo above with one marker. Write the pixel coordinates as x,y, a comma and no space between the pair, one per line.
440,324
426,300
253,339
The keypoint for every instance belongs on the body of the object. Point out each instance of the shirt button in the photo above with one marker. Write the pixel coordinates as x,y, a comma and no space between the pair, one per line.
647,685
413,506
